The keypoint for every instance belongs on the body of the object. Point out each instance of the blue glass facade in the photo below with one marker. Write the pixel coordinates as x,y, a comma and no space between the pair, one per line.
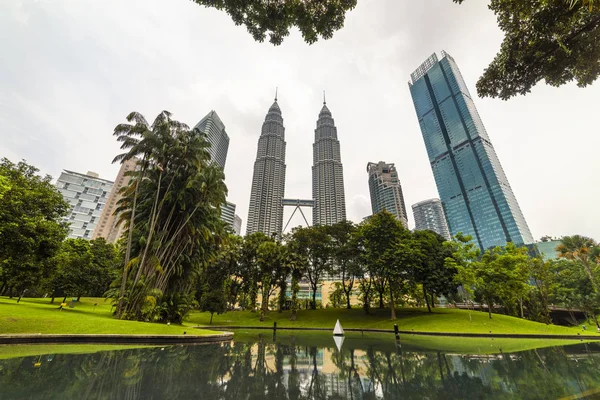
475,193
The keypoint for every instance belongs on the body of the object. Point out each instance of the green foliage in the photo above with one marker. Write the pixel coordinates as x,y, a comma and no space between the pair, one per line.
171,210
502,275
557,41
30,227
314,245
388,253
345,256
586,252
314,18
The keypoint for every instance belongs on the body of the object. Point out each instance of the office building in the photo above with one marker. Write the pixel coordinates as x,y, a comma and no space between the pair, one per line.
237,225
108,226
327,172
473,188
386,190
429,215
228,214
265,213
87,194
214,129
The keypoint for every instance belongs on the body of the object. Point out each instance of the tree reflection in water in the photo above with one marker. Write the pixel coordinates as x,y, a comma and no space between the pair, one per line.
296,368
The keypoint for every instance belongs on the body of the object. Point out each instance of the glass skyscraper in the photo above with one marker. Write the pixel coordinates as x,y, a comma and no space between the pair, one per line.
475,193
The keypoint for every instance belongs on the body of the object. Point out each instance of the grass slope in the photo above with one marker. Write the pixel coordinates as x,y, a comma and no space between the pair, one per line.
440,320
28,350
40,316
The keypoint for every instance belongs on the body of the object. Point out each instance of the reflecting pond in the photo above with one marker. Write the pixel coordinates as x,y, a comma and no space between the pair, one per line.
303,366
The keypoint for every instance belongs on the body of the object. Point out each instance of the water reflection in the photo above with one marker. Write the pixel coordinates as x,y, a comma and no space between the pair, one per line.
296,367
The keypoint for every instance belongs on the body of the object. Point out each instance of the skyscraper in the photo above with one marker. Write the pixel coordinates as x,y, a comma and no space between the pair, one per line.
327,171
429,215
268,182
473,188
108,227
87,195
386,191
214,129
237,225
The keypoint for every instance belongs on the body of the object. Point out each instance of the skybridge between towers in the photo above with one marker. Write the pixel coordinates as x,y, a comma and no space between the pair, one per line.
298,203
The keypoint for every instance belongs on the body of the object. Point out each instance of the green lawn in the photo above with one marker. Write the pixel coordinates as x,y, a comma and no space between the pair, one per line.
441,320
40,316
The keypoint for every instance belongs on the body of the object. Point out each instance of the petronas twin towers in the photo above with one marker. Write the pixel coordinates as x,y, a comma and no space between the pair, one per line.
268,182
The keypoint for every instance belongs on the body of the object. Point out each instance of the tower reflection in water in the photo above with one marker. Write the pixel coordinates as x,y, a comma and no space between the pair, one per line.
302,367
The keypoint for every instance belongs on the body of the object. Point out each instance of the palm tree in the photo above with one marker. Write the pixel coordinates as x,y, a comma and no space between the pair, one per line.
171,209
582,249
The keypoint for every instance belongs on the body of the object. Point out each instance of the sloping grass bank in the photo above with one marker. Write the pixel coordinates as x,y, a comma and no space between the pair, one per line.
40,316
408,319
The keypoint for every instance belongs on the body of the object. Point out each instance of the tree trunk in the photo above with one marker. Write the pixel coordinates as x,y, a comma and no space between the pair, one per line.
211,317
381,300
432,300
392,304
119,309
313,305
65,299
78,298
489,307
52,300
426,299
348,306
264,306
521,305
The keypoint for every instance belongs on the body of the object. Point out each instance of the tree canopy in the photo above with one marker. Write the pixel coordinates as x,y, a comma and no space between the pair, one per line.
557,41
31,230
314,18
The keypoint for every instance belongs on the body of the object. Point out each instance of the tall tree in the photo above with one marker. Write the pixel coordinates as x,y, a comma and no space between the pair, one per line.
249,269
584,250
389,251
464,254
502,274
270,263
314,18
171,210
314,244
31,230
345,255
557,41
431,269
75,274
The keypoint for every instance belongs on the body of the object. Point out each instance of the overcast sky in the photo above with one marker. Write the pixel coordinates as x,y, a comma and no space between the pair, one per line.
70,70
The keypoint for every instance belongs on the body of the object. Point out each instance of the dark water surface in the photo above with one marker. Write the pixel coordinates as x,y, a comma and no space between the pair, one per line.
255,366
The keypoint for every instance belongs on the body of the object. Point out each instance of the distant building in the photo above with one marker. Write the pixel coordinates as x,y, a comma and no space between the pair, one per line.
473,188
108,227
237,225
429,215
265,213
87,194
228,214
327,172
548,249
386,190
216,135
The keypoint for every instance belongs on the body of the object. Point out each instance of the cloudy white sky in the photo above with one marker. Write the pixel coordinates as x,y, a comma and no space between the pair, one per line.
70,70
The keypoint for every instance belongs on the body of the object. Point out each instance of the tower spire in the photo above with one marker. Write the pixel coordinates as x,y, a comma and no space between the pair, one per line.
276,90
324,101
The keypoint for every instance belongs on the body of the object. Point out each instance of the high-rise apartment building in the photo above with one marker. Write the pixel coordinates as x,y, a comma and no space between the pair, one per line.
216,135
108,226
386,190
473,188
268,181
429,215
327,173
87,195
